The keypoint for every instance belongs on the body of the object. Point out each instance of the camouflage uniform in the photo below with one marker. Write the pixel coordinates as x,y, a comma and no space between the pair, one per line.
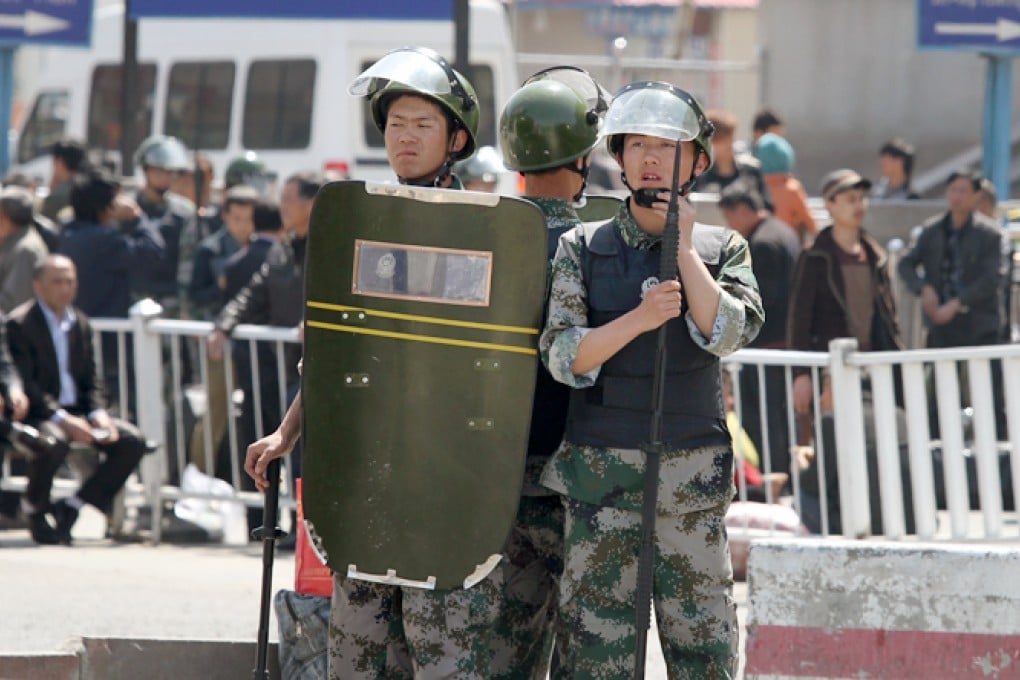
382,631
603,491
522,638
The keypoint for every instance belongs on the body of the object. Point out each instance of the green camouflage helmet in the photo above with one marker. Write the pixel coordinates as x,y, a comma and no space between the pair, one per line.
422,72
658,110
545,125
163,152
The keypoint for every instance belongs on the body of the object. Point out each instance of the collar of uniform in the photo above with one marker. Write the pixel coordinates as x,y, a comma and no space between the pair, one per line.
555,208
631,232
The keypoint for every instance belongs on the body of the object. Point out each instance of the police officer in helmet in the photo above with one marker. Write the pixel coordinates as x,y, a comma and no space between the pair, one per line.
605,296
481,172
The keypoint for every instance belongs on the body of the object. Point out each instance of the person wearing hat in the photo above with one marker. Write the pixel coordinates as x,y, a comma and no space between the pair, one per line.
842,286
428,115
547,130
788,196
605,298
161,159
481,172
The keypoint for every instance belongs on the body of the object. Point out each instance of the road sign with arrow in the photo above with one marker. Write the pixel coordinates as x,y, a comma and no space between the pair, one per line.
52,22
990,26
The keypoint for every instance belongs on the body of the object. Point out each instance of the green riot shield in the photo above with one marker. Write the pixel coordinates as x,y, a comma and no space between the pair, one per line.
598,208
422,322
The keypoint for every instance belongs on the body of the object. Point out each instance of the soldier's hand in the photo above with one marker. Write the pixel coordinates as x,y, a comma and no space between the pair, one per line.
217,344
661,303
259,455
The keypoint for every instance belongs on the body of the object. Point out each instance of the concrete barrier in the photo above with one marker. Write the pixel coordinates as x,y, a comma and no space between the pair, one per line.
132,659
835,608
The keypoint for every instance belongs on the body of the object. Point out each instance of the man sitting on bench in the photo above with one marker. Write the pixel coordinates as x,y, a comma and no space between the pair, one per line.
51,344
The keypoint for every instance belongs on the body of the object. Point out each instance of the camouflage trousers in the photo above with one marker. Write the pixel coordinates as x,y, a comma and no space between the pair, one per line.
693,593
522,638
380,631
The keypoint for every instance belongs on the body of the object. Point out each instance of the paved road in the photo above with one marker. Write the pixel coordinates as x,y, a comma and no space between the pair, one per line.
54,595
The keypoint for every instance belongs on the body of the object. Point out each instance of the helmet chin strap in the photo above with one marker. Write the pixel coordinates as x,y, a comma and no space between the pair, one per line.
583,172
683,189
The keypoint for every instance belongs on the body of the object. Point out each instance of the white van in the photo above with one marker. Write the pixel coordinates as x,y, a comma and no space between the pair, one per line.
277,87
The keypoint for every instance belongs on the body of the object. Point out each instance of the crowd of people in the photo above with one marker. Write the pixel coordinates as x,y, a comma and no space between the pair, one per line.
772,278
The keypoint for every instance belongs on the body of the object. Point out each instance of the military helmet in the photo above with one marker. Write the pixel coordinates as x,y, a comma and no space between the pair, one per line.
546,124
581,82
420,71
484,166
243,169
659,110
161,151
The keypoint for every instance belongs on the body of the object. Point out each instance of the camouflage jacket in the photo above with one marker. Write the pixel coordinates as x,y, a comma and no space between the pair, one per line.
690,479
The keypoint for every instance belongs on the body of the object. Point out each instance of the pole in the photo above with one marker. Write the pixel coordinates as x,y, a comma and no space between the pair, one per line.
462,33
653,450
998,123
6,102
269,533
128,87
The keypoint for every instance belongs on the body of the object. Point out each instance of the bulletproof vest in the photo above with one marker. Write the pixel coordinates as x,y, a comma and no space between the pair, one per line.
549,409
616,411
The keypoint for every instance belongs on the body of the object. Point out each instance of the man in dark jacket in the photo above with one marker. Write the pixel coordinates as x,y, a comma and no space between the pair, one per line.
51,345
774,252
841,285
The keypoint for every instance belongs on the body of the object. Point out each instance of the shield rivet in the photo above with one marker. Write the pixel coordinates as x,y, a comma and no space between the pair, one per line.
345,316
361,315
471,423
495,364
349,380
364,380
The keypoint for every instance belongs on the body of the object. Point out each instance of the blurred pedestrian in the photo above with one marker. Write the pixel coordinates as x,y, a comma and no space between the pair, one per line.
47,229
481,172
767,121
70,157
774,252
896,164
21,247
730,166
788,196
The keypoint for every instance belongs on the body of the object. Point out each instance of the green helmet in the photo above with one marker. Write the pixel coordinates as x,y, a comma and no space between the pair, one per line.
420,71
245,169
484,166
546,124
163,152
658,110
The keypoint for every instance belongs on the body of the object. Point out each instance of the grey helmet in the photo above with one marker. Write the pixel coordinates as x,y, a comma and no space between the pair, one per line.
163,152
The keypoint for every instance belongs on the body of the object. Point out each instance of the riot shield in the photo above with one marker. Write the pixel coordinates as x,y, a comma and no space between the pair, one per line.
598,208
422,321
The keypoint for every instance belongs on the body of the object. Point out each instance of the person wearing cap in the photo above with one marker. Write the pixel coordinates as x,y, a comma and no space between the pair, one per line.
547,130
788,196
428,115
161,158
605,300
774,252
958,269
896,164
842,285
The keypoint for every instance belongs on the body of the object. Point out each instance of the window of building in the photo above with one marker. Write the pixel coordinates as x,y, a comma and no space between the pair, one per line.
198,103
278,104
104,106
46,124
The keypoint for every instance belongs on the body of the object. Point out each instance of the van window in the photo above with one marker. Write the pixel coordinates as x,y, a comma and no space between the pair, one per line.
278,104
198,103
104,106
46,124
481,78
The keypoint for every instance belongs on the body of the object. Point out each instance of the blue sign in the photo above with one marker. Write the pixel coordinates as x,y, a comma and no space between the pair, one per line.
976,25
42,22
295,9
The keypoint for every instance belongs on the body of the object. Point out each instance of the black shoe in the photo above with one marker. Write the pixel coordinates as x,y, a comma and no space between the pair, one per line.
42,532
66,516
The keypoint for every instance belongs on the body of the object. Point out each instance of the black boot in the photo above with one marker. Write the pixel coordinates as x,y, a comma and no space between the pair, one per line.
42,532
66,516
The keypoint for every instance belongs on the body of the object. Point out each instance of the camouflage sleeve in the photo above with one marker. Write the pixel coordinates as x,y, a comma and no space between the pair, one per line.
740,314
567,318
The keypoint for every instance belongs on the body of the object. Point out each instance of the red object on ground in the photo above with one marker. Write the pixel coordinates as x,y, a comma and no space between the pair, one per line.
311,577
